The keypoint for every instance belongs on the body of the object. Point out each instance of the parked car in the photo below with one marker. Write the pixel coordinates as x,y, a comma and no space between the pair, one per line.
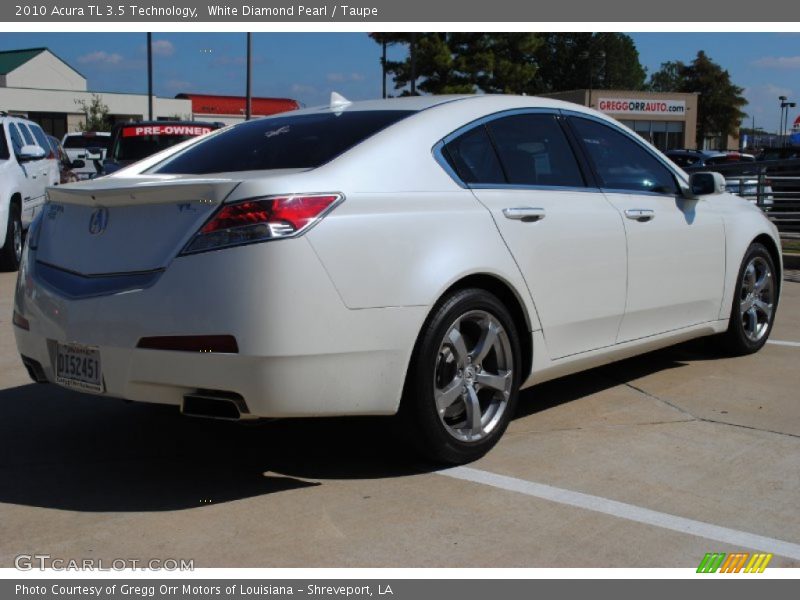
705,158
27,166
689,158
134,141
90,147
785,153
425,256
67,167
743,183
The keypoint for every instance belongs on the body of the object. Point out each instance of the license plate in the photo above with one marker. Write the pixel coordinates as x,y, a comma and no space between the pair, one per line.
78,367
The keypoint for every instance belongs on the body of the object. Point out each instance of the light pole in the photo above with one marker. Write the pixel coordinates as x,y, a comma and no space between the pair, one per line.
782,100
589,57
248,103
149,76
383,67
785,106
413,53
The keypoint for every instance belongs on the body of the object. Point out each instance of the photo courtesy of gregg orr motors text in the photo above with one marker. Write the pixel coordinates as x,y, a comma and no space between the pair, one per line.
187,589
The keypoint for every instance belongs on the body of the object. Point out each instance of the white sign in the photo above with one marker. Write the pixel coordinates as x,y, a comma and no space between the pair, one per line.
639,106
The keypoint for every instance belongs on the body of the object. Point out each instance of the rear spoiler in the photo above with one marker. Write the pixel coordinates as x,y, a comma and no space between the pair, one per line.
149,190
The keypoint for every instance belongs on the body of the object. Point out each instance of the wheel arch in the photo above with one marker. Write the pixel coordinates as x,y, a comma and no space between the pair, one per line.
510,299
775,253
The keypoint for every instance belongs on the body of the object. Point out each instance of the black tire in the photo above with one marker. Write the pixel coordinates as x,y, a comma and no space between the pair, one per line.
736,341
11,253
420,419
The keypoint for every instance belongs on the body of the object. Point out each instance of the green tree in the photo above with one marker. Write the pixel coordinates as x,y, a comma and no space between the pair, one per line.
720,103
514,63
619,59
668,78
498,63
569,61
459,63
95,114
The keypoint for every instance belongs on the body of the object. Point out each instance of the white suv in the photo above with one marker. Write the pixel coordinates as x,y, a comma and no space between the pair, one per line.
27,167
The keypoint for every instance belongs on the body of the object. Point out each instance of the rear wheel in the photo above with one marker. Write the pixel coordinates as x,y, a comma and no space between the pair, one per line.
11,253
754,303
462,386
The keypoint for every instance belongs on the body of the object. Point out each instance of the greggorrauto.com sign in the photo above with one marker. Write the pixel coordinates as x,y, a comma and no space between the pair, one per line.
632,106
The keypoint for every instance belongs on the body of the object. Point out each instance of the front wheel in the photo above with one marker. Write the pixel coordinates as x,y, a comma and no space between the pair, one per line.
11,252
462,386
754,303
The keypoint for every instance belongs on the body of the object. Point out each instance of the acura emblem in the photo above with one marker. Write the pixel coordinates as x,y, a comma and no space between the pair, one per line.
98,221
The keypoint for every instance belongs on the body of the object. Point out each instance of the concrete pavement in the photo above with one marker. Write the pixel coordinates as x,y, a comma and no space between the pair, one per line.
679,432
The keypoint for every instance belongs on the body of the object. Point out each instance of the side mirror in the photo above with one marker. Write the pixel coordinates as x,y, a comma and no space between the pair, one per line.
77,164
706,183
31,152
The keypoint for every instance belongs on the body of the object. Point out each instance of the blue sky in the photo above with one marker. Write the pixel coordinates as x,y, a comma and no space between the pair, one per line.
307,66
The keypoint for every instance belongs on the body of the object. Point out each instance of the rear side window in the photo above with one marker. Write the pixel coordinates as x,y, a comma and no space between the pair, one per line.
473,158
620,162
41,138
534,151
291,142
16,138
26,133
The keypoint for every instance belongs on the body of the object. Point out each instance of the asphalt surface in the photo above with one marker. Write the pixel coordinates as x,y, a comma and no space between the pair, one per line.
650,462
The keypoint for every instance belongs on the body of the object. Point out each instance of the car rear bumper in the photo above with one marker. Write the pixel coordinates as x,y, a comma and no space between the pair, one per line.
301,352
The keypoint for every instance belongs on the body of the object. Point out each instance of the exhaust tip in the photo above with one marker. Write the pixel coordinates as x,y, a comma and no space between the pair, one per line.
227,406
35,370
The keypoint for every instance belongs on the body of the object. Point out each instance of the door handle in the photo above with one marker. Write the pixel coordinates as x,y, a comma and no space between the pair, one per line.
524,214
640,214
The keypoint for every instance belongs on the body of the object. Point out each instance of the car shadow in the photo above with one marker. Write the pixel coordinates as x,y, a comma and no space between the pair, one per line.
66,450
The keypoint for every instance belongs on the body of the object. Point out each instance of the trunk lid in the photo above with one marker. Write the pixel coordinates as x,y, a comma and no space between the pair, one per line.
125,225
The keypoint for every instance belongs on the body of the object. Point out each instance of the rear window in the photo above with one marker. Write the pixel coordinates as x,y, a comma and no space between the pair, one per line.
291,142
86,141
138,141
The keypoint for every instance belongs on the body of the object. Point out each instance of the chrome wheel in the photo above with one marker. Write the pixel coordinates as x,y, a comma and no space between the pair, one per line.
17,233
757,298
473,376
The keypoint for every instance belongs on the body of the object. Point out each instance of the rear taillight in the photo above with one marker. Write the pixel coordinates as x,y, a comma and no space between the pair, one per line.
261,220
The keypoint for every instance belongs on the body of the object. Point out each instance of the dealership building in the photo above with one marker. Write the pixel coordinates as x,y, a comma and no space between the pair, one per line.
38,85
667,120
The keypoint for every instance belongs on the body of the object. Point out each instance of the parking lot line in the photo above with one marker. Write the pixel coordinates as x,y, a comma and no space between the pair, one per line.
784,343
630,512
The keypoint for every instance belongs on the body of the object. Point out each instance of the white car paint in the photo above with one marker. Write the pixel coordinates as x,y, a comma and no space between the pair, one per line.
326,322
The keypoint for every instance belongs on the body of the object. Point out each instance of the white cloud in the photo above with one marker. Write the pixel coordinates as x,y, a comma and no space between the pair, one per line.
344,77
100,57
179,85
300,88
778,62
163,48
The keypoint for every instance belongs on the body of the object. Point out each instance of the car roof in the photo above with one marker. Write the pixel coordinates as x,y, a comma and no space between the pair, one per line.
137,123
87,133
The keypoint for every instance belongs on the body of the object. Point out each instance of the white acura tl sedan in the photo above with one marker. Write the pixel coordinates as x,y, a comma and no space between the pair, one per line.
425,256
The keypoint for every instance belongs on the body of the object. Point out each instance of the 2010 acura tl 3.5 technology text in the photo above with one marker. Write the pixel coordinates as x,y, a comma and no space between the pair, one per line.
425,256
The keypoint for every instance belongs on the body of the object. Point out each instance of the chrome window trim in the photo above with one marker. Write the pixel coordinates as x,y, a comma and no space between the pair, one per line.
637,139
438,154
